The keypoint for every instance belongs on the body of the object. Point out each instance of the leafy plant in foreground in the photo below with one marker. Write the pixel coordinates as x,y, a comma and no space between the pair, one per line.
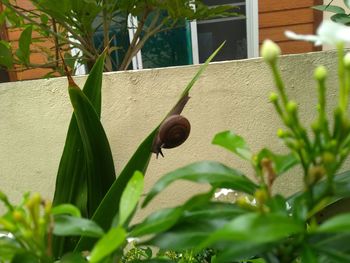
262,226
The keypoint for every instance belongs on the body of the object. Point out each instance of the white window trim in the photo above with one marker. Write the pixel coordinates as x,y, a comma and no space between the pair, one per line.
136,60
252,13
252,24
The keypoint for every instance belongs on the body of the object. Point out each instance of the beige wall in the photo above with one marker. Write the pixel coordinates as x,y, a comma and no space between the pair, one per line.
231,95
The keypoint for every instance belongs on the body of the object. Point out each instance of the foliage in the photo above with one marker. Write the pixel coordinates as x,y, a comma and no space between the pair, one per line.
72,25
340,15
260,226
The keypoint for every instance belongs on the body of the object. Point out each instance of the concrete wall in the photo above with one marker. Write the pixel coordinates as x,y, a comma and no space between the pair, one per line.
230,95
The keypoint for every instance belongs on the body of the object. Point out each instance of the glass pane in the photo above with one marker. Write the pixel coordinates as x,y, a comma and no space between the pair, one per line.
120,34
211,35
168,48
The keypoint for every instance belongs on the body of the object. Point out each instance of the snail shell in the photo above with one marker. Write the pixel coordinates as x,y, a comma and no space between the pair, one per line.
172,132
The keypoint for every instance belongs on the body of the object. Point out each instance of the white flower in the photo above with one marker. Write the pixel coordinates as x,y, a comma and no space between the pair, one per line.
9,235
132,239
270,50
222,191
328,32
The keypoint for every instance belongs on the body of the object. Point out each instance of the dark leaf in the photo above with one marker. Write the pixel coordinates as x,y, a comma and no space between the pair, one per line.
341,18
5,55
73,226
330,8
23,52
204,172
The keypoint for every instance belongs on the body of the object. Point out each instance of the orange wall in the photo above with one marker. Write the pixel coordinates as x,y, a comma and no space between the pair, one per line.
37,57
276,16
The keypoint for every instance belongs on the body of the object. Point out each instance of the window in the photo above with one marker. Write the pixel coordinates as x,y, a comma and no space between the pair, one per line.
192,42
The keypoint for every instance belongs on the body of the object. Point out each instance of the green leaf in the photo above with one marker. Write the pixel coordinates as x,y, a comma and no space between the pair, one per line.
139,161
233,143
73,226
66,209
337,224
330,8
44,19
73,258
25,257
108,244
347,3
99,159
341,18
282,163
130,197
71,181
308,255
5,55
8,248
158,221
204,172
74,178
23,52
255,228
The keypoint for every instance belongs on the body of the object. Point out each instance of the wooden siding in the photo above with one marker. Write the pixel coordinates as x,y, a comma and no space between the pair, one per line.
277,16
36,57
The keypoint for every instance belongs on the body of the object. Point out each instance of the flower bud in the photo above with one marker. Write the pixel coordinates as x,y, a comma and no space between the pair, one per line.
328,158
315,126
273,97
280,133
346,60
315,174
320,73
270,51
18,216
260,196
292,106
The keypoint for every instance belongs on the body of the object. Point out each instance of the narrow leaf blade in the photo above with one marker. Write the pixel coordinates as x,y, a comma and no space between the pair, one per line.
204,172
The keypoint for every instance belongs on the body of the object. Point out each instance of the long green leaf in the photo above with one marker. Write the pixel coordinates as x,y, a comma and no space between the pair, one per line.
139,161
23,51
74,226
99,159
255,228
204,172
337,224
130,197
107,244
71,176
71,181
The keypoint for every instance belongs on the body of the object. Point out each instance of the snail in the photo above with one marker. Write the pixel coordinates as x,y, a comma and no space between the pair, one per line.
173,131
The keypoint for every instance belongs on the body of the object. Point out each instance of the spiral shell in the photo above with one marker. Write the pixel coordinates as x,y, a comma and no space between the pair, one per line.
173,132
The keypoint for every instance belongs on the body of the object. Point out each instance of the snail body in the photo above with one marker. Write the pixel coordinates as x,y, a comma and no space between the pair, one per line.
173,132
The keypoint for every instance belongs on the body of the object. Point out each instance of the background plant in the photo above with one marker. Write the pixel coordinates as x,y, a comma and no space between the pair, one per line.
340,14
73,23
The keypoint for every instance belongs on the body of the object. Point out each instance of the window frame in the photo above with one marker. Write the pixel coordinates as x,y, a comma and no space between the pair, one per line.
252,25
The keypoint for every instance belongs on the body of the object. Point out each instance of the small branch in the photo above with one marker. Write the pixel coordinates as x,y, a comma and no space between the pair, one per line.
128,56
54,25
